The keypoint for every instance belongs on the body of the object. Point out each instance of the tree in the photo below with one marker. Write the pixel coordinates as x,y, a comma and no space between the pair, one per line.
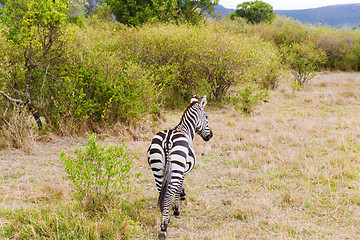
138,12
255,12
193,11
132,12
34,31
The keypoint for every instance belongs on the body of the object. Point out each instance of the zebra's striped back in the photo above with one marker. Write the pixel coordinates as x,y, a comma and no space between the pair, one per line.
171,155
180,153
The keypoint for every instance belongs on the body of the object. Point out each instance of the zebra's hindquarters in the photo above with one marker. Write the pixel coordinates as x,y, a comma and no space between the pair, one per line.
156,158
170,157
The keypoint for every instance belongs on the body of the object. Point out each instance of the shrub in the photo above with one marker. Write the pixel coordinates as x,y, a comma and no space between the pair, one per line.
263,59
304,60
351,60
248,97
107,73
337,44
283,31
100,84
196,60
267,66
99,174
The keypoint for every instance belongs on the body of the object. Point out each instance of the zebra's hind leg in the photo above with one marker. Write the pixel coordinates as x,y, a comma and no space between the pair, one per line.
183,194
176,205
163,227
165,215
163,231
177,197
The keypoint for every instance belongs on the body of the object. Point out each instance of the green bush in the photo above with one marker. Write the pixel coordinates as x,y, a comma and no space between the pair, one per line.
248,97
99,174
100,84
304,60
351,60
267,65
339,44
91,82
264,64
196,60
107,73
283,31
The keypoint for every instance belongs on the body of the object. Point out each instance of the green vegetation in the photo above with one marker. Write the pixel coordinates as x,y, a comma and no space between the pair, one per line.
100,175
304,59
35,32
215,61
254,12
66,221
248,98
340,45
137,13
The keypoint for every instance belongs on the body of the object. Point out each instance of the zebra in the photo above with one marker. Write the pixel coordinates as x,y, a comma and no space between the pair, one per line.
171,157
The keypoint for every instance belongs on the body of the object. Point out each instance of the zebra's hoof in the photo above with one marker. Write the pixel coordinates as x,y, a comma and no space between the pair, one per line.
177,214
162,235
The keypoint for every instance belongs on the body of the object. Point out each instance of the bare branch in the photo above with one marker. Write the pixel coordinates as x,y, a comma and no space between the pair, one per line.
3,117
6,122
11,99
43,84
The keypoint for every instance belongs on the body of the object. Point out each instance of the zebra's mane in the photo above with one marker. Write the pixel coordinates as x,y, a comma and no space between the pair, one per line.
193,102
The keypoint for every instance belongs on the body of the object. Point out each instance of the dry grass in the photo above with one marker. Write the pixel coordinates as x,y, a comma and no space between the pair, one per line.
290,171
30,179
20,132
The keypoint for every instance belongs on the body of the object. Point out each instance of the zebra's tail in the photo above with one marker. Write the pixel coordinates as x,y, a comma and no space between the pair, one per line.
165,186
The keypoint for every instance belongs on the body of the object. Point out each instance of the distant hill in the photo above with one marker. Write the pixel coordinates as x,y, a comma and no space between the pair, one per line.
346,15
223,11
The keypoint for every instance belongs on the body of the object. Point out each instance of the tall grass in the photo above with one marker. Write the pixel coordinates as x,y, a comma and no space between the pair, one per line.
66,221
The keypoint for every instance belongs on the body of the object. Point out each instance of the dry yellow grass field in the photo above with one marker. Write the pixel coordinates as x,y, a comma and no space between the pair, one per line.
289,171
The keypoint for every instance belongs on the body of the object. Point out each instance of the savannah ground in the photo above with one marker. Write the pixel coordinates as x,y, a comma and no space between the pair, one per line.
289,171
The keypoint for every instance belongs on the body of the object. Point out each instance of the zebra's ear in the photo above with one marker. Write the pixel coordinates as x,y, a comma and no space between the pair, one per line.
194,98
203,101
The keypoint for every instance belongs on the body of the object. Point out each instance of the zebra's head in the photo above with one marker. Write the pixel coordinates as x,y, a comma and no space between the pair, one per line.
202,126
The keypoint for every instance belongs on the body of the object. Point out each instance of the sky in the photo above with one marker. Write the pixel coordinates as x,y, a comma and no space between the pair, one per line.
290,4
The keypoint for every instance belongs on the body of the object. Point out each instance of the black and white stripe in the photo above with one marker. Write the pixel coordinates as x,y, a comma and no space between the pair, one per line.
171,157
